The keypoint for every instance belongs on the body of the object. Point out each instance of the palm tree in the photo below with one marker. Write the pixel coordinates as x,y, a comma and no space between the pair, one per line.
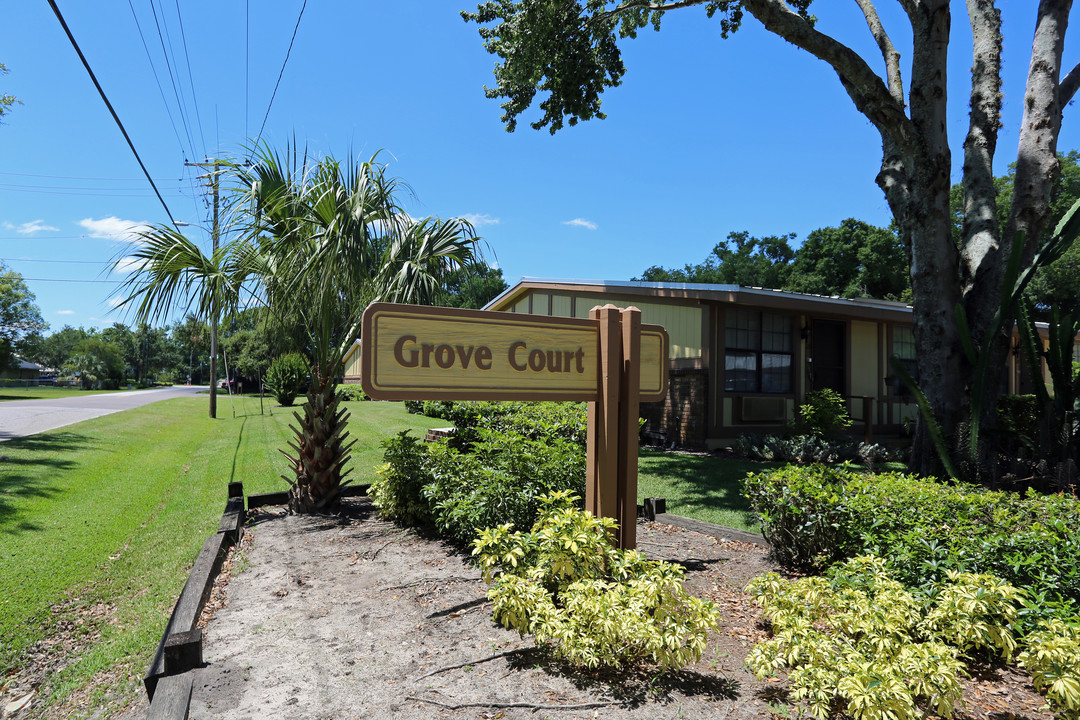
321,240
317,242
172,272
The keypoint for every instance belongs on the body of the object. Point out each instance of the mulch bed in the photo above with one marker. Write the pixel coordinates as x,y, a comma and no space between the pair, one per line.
348,616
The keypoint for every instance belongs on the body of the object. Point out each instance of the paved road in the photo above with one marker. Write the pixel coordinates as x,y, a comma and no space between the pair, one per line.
27,417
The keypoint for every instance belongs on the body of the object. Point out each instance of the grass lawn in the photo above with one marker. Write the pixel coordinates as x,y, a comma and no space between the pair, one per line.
45,393
101,521
700,487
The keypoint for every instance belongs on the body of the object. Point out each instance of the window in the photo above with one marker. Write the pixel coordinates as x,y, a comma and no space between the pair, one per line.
758,352
903,347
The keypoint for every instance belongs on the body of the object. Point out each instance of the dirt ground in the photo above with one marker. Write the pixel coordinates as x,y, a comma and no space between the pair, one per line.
351,617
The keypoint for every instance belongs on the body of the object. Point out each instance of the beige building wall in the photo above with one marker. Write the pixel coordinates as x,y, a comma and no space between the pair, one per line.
864,358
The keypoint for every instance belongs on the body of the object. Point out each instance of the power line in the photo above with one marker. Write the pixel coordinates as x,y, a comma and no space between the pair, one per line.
247,60
287,54
52,3
51,237
65,280
74,262
181,108
157,79
77,177
191,80
88,194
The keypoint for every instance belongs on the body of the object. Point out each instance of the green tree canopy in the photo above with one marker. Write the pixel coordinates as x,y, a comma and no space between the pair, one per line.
563,54
855,259
473,286
19,316
740,260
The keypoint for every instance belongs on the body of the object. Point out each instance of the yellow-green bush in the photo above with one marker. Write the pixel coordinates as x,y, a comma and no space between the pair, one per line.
858,642
597,605
1053,659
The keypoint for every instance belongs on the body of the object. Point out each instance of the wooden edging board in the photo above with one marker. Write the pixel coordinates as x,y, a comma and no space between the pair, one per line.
180,648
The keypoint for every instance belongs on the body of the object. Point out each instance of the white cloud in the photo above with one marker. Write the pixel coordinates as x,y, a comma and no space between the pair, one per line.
65,312
113,228
478,220
581,222
115,302
126,265
34,226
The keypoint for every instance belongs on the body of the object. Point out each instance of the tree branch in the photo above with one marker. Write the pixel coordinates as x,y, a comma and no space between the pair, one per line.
1036,161
888,52
1069,86
650,6
871,96
527,706
496,656
981,227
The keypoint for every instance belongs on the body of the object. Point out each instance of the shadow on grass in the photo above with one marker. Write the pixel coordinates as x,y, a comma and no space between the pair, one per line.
631,686
29,469
697,480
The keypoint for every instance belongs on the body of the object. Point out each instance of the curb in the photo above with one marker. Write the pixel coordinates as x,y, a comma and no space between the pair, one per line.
707,528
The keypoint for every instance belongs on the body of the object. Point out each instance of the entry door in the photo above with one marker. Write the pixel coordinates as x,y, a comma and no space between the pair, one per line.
828,356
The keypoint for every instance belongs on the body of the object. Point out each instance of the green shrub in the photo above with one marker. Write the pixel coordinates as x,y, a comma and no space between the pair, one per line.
824,413
499,480
287,377
397,490
804,449
857,642
815,516
351,392
597,605
536,420
1052,657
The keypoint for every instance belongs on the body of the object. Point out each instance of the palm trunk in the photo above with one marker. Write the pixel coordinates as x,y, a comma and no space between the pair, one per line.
320,450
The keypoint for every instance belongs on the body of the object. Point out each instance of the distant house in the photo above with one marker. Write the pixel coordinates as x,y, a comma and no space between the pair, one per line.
351,363
742,359
23,370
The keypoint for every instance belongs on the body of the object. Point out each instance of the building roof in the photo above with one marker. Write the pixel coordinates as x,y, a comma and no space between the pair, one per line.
24,365
868,308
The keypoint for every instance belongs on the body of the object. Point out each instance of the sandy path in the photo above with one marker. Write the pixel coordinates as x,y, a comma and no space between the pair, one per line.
339,617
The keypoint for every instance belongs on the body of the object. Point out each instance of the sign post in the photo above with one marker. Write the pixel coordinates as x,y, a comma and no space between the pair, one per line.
609,360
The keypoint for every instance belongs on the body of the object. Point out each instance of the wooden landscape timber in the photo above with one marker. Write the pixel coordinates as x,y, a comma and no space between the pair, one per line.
169,677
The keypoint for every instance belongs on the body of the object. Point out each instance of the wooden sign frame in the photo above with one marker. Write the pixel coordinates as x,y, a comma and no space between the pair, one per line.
512,356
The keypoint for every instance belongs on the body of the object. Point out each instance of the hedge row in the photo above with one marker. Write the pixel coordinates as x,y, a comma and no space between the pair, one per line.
818,515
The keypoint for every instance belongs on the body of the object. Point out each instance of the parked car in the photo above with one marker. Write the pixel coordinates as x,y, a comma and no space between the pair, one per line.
239,384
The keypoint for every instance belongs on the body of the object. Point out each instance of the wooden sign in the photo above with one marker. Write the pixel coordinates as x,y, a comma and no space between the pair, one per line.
409,352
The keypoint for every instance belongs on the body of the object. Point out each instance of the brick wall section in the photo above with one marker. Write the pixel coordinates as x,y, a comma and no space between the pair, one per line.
681,416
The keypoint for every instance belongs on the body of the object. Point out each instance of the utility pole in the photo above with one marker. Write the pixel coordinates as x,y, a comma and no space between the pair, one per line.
215,231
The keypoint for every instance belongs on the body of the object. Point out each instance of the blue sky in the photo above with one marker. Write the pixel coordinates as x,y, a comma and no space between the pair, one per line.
704,137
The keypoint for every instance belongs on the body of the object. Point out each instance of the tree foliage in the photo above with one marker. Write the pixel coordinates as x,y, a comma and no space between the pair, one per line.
314,241
567,52
6,101
19,316
855,259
